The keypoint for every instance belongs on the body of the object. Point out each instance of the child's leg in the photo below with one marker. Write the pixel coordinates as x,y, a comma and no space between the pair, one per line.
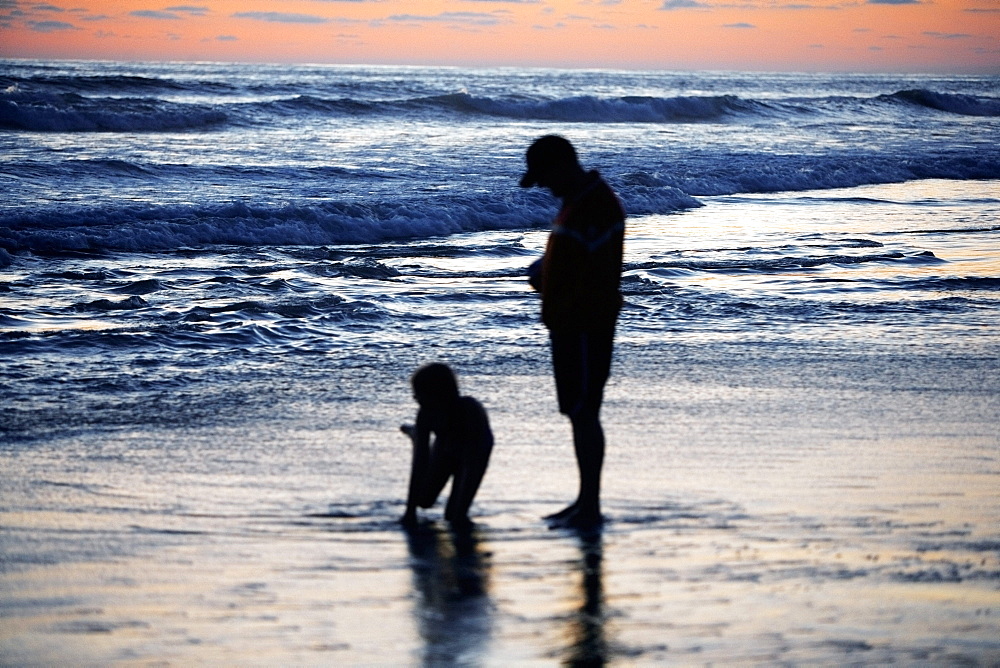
466,483
433,480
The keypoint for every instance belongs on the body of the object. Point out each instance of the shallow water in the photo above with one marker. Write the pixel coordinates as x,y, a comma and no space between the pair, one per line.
831,549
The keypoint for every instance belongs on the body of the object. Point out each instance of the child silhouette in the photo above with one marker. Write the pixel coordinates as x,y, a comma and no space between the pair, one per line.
460,451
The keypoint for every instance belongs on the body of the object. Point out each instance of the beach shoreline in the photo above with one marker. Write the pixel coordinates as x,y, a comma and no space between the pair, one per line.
864,533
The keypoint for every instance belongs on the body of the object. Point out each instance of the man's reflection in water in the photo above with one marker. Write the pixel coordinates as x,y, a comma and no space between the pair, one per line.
451,576
588,646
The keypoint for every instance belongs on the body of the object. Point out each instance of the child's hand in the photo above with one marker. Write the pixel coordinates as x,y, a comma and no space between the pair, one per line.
408,429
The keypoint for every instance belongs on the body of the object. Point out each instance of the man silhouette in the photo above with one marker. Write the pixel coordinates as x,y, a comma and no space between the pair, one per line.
579,278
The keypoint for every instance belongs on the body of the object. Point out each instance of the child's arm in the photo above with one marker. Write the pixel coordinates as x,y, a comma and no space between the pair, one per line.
420,437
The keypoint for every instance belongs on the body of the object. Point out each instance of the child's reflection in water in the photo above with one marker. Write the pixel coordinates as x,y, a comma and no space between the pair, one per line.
451,576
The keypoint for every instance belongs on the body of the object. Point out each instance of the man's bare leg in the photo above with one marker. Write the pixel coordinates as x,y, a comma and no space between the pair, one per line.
588,442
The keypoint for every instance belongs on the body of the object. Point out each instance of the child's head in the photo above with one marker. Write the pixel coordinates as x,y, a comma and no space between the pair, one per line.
434,383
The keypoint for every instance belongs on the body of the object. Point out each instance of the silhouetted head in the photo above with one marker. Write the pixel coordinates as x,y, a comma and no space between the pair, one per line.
549,155
434,384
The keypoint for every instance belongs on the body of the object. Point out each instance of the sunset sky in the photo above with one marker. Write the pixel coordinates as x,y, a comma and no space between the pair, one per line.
810,35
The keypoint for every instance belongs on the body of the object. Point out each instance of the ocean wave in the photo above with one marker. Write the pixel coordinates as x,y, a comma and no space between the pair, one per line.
112,84
964,105
110,95
718,175
579,109
956,284
77,275
129,304
671,269
158,228
67,230
143,287
136,104
70,112
293,309
592,109
312,104
653,184
368,268
137,228
709,108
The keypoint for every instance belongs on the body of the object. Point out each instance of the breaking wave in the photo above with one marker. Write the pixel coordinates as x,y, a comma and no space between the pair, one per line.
140,104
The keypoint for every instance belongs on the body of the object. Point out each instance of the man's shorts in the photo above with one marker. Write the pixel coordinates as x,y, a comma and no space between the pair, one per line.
582,363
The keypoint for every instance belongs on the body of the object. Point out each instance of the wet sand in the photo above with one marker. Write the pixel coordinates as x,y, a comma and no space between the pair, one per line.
821,506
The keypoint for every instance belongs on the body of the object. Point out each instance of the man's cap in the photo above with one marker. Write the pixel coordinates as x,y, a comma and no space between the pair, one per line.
545,152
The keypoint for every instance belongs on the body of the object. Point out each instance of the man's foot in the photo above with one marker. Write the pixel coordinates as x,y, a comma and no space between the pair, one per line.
562,514
460,524
577,518
584,521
